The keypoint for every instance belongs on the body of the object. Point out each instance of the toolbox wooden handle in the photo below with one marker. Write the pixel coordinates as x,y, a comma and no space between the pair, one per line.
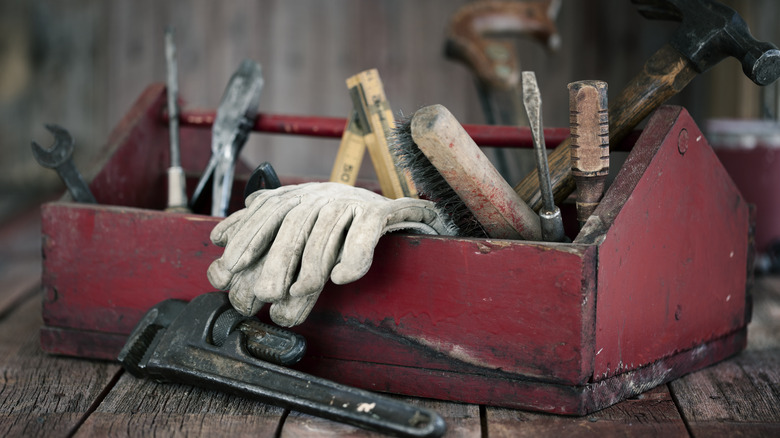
333,127
664,75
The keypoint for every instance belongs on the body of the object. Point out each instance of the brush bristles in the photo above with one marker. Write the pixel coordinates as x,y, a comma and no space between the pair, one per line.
429,182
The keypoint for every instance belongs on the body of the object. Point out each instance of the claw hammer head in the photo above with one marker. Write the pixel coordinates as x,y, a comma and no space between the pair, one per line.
710,31
493,62
59,153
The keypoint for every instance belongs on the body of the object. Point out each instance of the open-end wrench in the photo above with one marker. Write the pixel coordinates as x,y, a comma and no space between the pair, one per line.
58,157
202,343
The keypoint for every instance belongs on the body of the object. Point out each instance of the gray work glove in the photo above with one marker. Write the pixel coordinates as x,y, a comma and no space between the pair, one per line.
287,242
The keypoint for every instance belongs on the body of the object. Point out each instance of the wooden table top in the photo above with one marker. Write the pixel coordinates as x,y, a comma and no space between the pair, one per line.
43,395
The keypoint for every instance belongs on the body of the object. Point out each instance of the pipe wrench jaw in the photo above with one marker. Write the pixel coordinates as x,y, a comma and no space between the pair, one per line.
145,338
178,342
208,323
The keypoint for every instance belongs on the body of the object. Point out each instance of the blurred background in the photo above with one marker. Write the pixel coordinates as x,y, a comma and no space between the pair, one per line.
82,63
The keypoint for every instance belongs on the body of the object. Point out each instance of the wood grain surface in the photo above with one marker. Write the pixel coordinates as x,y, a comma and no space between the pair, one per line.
45,395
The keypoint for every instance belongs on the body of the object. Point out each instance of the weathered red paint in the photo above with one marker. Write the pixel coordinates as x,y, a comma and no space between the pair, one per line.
639,297
664,259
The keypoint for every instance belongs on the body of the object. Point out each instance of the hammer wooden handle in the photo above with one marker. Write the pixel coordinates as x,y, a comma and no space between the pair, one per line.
664,75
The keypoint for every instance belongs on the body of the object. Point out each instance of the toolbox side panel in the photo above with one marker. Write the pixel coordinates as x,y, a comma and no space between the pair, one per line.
444,303
465,304
132,168
103,267
672,266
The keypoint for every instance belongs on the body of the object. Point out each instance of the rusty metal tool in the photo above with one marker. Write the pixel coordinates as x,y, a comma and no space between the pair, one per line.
478,36
59,157
549,215
235,118
207,343
708,33
589,127
177,186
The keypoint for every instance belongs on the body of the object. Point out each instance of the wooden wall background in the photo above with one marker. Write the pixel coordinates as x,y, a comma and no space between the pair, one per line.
82,63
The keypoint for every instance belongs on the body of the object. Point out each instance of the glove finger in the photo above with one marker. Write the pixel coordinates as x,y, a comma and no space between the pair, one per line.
293,310
225,228
323,247
219,276
281,263
241,296
358,249
419,210
370,224
263,216
256,233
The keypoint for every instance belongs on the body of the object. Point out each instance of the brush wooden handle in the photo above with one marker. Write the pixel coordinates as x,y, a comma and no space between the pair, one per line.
376,120
664,74
500,211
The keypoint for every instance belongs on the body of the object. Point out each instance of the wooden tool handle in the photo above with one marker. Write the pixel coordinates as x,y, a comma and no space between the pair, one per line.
589,126
664,75
468,171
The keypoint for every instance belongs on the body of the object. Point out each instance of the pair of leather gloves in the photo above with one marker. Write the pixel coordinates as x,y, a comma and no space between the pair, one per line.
284,246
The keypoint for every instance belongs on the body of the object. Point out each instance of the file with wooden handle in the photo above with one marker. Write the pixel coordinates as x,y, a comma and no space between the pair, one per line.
589,123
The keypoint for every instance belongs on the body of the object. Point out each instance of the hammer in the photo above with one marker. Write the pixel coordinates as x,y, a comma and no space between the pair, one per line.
708,33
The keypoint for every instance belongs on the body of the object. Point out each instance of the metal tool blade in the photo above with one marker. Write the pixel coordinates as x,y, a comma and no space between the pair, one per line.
549,214
235,117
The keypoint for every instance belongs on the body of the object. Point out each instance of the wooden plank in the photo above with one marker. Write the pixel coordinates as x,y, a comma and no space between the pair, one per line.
648,415
737,397
740,396
140,407
462,421
20,260
764,328
43,395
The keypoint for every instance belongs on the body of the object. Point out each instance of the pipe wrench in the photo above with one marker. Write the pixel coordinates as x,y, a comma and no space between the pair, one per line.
207,343
235,117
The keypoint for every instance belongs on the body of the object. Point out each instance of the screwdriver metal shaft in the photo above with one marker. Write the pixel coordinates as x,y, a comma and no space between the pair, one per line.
549,215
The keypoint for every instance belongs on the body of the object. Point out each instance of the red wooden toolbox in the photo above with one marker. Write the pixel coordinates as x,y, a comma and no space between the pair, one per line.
653,287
